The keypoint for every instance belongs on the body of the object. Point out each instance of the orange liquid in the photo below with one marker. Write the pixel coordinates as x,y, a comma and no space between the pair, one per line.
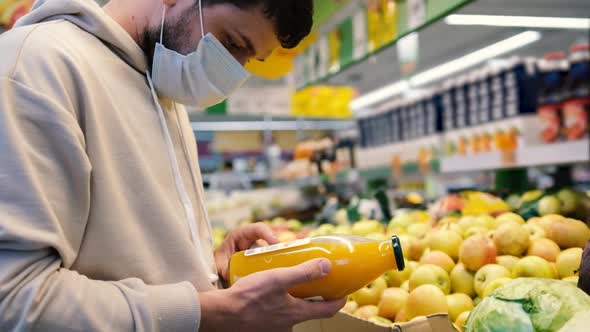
353,265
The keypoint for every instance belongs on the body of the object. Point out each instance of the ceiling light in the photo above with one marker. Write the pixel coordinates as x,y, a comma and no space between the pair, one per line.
471,59
379,95
519,21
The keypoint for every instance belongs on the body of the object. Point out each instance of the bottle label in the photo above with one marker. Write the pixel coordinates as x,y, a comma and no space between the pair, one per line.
276,247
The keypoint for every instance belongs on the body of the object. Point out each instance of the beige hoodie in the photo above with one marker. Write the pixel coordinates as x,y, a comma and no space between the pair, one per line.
102,224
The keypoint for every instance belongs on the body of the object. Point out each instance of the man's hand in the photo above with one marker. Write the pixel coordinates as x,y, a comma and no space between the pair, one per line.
261,302
241,239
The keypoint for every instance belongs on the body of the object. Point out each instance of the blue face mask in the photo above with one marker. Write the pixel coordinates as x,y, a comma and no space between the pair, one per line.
203,78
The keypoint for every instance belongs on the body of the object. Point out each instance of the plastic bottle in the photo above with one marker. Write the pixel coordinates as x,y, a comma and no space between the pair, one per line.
553,71
356,261
576,108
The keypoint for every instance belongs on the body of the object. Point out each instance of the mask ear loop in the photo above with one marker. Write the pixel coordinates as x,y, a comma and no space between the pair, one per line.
162,25
201,17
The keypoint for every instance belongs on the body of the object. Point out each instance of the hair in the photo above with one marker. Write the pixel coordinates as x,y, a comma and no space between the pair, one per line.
293,19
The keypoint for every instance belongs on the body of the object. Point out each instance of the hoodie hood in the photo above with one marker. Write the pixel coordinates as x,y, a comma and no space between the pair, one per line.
90,17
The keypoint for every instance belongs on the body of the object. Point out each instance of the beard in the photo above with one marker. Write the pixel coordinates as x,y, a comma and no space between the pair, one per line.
176,34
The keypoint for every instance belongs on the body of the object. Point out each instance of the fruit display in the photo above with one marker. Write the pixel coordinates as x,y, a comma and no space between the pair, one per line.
565,202
462,262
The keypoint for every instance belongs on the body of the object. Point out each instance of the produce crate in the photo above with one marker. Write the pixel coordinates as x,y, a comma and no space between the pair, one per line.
346,323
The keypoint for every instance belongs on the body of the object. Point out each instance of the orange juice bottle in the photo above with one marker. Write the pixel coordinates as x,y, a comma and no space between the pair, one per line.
356,261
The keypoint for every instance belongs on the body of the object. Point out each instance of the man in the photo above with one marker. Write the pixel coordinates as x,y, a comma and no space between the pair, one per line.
102,223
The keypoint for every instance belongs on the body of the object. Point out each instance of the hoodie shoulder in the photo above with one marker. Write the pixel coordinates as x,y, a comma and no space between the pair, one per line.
27,48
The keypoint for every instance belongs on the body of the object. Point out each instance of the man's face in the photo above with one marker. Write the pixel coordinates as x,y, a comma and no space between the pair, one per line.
246,33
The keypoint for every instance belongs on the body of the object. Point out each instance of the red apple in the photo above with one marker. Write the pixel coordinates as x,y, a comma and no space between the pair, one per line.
544,248
477,251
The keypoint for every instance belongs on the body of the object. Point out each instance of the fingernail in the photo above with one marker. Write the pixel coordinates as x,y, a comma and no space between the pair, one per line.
325,266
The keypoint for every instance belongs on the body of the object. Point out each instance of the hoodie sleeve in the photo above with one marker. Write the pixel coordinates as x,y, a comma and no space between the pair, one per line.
45,181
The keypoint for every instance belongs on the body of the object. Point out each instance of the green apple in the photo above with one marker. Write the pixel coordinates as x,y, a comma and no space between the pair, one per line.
462,280
507,261
487,274
350,307
343,229
569,200
294,225
325,229
437,257
492,285
419,229
458,303
371,293
429,274
568,262
392,301
366,227
511,239
532,266
446,241
549,205
477,300
426,300
367,311
395,278
380,321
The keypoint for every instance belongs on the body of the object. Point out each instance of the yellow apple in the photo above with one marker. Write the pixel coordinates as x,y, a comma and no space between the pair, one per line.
392,301
431,275
381,321
544,248
461,320
532,266
535,231
491,286
548,220
509,217
487,274
406,242
350,307
343,229
477,300
572,279
371,293
378,237
462,280
294,225
426,300
405,285
439,258
417,248
507,261
395,278
569,233
458,303
487,221
477,251
467,222
419,229
366,227
475,230
446,241
511,239
401,316
367,311
568,262
533,221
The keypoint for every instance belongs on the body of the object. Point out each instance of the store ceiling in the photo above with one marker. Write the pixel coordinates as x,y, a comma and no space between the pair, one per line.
440,42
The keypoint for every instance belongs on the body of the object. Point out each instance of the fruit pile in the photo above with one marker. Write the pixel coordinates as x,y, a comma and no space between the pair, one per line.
451,267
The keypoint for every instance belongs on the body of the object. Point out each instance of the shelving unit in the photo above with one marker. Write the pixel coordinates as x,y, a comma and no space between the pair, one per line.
542,155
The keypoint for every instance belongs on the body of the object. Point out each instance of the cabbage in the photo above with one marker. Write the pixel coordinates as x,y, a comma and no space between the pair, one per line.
528,304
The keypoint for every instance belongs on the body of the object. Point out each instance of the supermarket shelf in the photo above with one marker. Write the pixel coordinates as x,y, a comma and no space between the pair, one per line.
542,155
274,125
